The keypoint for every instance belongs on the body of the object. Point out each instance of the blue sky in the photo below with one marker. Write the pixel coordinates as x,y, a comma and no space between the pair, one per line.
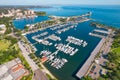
46,2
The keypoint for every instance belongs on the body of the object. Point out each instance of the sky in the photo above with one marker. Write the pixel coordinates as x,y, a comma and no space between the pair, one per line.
50,2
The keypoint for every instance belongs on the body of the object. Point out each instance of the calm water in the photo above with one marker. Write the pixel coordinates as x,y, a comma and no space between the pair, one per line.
109,15
21,23
68,71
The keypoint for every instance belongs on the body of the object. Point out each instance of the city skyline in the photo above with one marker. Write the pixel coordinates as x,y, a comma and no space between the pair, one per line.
61,2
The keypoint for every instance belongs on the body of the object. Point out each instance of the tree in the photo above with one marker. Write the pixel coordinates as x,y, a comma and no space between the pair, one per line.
12,39
86,78
41,13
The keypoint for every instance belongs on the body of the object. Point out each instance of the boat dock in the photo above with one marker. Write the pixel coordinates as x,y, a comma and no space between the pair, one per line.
96,35
40,35
53,60
54,37
83,70
99,33
65,29
102,31
66,49
76,41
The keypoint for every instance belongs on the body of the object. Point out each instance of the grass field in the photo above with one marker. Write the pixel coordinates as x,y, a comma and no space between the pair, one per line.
4,44
117,53
9,51
117,50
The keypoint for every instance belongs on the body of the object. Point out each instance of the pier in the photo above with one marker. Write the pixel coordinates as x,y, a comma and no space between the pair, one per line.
84,15
99,33
96,35
66,49
66,29
53,60
76,41
54,37
102,31
83,70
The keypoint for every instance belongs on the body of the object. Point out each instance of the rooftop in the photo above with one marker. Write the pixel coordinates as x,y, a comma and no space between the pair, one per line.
2,28
12,70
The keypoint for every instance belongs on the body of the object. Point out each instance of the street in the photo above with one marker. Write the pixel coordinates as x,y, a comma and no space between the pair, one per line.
38,74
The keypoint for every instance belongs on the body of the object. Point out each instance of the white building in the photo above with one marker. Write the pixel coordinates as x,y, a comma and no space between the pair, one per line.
2,28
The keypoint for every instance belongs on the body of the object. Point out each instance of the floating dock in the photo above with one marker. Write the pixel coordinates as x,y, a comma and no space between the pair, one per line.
76,41
96,35
102,31
99,33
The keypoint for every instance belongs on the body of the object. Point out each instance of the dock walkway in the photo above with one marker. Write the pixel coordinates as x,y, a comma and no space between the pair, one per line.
83,70
96,35
102,31
38,74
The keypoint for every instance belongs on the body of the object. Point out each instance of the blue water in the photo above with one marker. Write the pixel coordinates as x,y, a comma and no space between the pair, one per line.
21,23
68,71
109,15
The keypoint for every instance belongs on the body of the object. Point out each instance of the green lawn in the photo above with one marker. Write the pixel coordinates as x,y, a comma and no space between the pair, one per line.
117,50
117,54
4,44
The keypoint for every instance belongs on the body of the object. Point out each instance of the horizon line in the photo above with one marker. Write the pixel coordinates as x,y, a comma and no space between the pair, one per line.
54,4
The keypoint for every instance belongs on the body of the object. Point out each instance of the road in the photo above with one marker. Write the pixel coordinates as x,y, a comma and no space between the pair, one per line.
28,59
38,74
108,46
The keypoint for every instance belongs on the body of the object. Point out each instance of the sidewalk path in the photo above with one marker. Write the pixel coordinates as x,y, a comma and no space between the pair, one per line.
38,74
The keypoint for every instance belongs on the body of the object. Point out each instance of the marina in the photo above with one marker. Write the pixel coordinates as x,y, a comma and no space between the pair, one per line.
59,26
65,42
52,60
54,37
66,49
57,51
76,41
103,34
60,41
100,33
65,29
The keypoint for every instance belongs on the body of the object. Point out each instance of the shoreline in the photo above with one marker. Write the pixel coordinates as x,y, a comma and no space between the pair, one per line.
44,68
47,71
50,27
37,30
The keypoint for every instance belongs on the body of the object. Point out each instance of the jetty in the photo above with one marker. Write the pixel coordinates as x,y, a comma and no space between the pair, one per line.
76,41
66,29
54,37
83,70
96,35
66,49
102,31
83,15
